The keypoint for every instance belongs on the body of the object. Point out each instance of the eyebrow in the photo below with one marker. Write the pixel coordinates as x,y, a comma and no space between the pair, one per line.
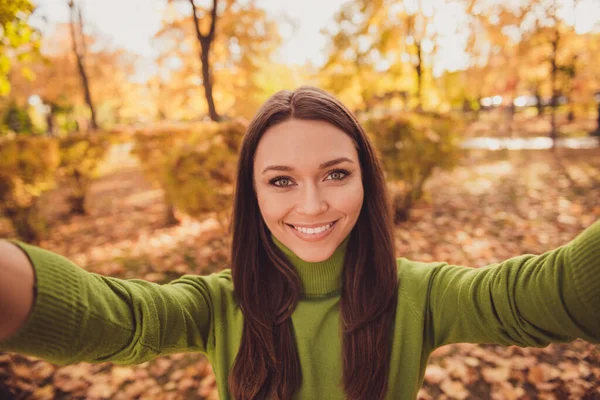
324,165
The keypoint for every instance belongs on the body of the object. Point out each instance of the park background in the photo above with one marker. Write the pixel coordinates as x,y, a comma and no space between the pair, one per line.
120,123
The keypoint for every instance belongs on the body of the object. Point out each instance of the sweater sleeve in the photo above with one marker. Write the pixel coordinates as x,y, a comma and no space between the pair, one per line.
526,301
83,316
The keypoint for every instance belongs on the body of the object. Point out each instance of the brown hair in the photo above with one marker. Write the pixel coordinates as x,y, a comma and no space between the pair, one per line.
267,287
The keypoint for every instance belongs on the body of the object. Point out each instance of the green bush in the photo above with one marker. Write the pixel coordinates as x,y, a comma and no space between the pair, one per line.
411,147
152,148
80,155
17,119
27,169
202,172
195,167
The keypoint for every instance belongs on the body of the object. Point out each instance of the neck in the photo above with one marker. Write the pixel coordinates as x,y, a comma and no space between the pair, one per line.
318,278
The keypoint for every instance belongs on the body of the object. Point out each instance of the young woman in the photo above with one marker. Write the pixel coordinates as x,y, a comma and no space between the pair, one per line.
315,304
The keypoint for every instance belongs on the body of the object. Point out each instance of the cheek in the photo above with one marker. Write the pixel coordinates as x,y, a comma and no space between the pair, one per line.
272,207
350,202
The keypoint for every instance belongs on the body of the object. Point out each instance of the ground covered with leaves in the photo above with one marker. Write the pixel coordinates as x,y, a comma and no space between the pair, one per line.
494,206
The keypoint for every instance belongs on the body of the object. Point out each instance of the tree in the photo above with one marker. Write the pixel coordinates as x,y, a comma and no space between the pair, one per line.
420,38
374,37
554,34
500,48
205,41
18,40
532,49
17,119
244,41
80,50
58,84
560,51
363,62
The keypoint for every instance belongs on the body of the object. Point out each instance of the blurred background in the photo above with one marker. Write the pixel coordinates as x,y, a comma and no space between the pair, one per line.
120,123
76,65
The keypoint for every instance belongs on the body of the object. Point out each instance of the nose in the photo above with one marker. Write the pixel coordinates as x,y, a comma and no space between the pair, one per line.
312,201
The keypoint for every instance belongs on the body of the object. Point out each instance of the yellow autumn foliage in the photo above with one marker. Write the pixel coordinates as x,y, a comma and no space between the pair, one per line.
28,165
195,167
411,147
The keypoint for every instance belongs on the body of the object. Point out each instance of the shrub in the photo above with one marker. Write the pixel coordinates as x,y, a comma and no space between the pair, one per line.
152,148
202,172
411,147
80,155
195,167
17,119
27,169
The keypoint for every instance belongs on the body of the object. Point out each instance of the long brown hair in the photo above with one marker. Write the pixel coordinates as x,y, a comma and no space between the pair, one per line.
267,287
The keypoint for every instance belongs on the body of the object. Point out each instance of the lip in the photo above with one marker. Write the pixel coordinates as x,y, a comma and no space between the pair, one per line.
313,225
314,237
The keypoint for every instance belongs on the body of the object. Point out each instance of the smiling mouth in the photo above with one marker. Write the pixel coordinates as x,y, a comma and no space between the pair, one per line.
315,230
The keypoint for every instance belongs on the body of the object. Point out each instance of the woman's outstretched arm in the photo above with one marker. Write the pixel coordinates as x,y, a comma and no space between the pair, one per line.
530,300
76,315
17,283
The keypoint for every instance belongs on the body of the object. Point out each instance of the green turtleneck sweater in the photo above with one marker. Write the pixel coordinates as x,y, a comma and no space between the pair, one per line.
527,301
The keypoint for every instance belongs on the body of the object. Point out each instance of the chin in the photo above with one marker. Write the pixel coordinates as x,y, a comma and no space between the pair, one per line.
314,260
311,257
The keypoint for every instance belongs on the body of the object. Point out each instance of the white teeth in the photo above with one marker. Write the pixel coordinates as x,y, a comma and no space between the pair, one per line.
312,231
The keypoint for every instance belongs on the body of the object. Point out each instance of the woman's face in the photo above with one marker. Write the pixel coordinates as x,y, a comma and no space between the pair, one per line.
307,175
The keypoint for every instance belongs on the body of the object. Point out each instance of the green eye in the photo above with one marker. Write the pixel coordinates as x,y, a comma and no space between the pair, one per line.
275,180
337,172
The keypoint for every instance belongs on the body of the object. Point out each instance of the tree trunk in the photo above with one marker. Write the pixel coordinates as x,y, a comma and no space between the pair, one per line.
207,83
572,73
598,120
597,131
553,76
170,218
510,113
205,42
77,196
538,101
77,204
79,55
419,68
28,222
50,123
571,114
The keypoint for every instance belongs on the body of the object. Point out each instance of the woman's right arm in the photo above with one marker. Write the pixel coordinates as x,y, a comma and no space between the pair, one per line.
77,316
17,283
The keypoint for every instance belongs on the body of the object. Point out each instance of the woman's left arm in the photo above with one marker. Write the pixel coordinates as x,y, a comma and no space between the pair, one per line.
526,301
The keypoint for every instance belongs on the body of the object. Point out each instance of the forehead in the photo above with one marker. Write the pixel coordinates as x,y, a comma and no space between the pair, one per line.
303,143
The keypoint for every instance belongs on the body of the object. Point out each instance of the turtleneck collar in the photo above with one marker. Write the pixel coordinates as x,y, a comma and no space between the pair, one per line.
318,278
